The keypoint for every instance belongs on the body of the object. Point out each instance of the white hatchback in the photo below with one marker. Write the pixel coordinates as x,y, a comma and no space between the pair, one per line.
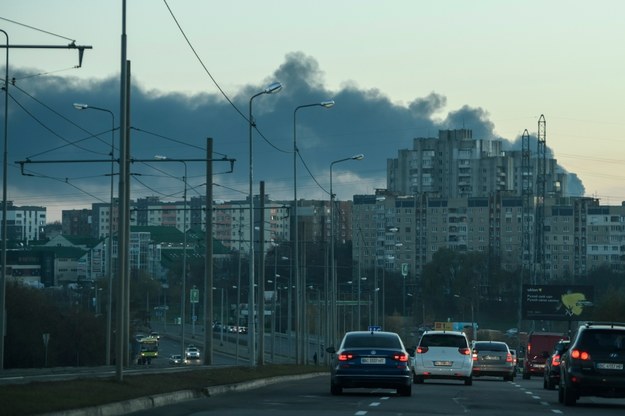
443,355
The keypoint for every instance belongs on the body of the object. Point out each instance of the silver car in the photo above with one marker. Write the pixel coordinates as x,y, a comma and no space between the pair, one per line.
443,355
493,358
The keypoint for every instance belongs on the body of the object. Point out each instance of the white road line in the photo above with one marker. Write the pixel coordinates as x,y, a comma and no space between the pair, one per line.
374,404
361,413
536,397
544,403
385,398
556,411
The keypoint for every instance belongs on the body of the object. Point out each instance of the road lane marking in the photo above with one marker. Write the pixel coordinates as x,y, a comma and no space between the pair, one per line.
361,413
374,404
556,411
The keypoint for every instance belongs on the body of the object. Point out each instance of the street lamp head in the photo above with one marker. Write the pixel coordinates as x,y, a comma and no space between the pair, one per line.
359,156
327,104
273,88
79,106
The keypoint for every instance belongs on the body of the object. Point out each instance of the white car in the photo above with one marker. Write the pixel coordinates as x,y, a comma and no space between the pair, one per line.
443,355
192,353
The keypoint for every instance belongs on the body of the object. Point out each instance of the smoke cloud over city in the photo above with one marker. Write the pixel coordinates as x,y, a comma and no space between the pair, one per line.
46,132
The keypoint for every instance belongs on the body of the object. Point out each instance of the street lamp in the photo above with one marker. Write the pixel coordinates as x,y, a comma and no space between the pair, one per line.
5,161
184,249
300,285
334,284
109,253
271,89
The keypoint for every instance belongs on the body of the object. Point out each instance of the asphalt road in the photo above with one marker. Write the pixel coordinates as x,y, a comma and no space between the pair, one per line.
308,397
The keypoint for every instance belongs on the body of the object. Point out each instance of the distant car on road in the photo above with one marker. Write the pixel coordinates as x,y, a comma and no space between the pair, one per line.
375,359
443,355
551,376
175,359
492,358
192,353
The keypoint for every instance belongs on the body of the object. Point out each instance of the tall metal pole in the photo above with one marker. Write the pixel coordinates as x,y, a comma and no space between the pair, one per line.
333,279
3,315
272,88
183,301
124,212
208,260
300,285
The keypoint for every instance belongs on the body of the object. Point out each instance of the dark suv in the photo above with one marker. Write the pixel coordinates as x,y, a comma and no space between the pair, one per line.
594,364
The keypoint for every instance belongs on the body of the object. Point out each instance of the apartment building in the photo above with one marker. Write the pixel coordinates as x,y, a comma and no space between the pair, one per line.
25,223
455,165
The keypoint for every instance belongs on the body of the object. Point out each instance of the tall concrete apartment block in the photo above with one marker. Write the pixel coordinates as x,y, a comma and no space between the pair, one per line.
455,165
462,193
391,230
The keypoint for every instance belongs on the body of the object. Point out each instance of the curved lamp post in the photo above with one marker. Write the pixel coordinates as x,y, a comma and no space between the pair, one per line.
271,89
301,293
334,284
109,253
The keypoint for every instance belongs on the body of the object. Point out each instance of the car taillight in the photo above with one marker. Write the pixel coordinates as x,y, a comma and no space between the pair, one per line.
580,355
509,358
422,350
464,351
555,360
345,356
400,357
474,355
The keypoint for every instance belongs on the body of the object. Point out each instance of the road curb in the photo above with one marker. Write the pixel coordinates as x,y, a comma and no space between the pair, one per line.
159,400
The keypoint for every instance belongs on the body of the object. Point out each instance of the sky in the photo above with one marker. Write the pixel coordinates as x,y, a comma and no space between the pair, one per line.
397,70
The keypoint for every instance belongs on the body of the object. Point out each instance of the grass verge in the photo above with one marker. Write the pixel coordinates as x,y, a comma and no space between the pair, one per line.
44,397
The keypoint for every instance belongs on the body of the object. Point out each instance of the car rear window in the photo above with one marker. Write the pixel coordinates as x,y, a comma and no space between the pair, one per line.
602,340
490,346
443,340
371,341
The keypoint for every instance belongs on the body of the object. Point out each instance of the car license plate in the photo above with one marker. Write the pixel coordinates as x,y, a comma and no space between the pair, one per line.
610,366
373,360
539,365
442,363
491,357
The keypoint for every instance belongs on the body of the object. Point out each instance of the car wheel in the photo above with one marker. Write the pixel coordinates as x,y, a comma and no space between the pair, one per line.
336,390
569,397
405,390
468,381
545,383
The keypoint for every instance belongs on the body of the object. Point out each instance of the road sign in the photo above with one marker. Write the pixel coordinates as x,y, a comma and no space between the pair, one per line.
194,296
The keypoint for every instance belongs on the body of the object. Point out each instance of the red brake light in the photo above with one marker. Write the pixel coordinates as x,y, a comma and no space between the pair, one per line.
401,357
509,358
580,355
345,356
464,351
422,350
555,360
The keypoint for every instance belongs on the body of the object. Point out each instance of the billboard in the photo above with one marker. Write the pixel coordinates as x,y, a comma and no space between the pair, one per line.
557,302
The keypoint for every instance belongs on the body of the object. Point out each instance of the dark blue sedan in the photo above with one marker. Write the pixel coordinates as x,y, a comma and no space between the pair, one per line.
373,359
